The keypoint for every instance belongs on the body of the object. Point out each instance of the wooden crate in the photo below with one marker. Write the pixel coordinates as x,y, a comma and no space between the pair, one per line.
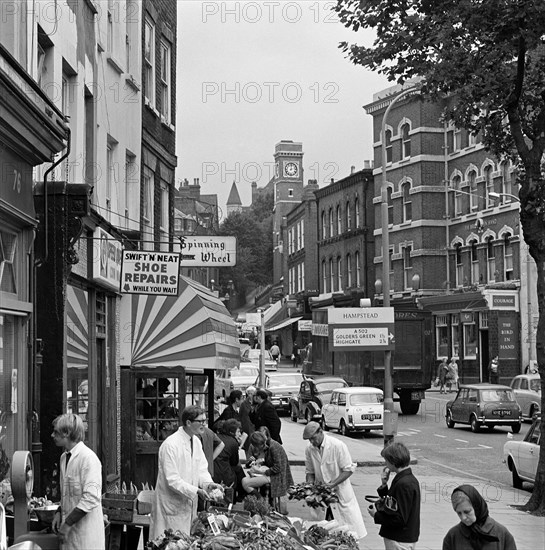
119,506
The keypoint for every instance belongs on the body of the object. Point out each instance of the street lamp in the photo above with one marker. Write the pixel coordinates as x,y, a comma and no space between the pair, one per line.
495,195
388,383
262,349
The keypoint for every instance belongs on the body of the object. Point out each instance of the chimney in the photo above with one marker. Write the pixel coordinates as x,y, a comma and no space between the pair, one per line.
352,169
332,180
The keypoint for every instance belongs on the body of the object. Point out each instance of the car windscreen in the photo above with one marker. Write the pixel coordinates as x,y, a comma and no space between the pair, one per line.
365,398
535,385
281,381
497,395
244,371
328,387
255,353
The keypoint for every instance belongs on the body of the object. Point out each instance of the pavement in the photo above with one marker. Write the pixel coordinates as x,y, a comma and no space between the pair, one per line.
437,515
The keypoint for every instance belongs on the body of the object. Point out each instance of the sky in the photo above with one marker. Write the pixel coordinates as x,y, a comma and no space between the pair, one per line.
250,74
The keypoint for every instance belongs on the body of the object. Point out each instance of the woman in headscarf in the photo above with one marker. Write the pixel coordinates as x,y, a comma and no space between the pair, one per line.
476,530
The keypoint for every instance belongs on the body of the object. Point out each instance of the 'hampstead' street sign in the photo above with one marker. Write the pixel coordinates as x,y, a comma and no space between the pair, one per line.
150,273
361,329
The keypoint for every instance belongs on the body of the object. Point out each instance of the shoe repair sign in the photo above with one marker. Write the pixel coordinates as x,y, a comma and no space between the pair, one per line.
150,273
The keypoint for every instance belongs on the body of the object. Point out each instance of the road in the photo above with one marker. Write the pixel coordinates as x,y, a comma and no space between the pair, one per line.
457,451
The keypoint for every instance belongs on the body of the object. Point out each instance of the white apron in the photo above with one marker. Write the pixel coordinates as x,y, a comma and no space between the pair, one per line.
180,476
81,486
326,468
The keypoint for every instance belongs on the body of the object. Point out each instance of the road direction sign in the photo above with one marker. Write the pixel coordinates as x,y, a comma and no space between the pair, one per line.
364,329
150,273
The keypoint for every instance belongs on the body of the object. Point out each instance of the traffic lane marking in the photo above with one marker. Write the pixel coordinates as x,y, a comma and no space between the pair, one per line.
461,440
479,448
438,435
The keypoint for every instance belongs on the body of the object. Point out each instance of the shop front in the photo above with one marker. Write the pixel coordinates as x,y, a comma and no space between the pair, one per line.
473,327
169,349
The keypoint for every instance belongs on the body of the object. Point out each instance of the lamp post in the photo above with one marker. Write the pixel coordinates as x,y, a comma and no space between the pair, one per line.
388,382
262,349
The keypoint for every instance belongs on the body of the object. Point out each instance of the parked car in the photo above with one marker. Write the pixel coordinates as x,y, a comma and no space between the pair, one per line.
487,405
239,378
252,356
527,390
521,457
354,409
313,394
282,387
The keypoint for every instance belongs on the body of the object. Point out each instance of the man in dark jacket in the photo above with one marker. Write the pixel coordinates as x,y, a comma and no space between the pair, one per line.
265,415
399,517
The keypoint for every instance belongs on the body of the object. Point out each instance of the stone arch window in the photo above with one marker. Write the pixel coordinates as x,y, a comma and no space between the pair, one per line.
508,257
357,210
339,220
358,268
458,202
388,145
331,276
490,259
405,141
339,274
474,262
331,222
488,185
390,202
506,182
407,203
459,264
324,276
348,270
348,217
473,195
324,225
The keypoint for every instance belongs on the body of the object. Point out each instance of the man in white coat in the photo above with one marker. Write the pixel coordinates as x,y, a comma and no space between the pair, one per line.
183,476
79,522
328,460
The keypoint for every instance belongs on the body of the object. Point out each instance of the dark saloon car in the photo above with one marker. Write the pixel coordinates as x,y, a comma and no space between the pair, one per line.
487,405
313,394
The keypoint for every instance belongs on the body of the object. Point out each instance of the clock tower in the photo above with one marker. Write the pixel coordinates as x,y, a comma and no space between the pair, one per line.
288,192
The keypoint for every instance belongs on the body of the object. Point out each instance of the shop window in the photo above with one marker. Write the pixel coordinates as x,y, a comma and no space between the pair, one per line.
483,319
455,335
157,406
9,381
8,249
441,336
470,340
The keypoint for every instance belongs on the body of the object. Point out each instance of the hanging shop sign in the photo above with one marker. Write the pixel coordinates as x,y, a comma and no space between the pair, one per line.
106,259
150,273
208,251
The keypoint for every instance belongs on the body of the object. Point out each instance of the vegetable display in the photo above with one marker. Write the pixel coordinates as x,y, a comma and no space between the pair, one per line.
315,495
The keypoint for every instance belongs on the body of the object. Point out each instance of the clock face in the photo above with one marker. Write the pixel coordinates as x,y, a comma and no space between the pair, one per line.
291,169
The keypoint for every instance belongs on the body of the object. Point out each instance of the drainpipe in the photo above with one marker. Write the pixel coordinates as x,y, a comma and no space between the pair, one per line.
42,261
447,213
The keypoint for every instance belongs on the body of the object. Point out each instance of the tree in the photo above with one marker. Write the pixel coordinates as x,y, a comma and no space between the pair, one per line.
488,57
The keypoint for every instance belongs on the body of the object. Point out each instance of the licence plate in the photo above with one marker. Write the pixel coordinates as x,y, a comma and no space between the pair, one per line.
417,395
371,416
501,412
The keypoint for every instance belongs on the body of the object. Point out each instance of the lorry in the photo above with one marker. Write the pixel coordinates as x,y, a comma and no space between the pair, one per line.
412,359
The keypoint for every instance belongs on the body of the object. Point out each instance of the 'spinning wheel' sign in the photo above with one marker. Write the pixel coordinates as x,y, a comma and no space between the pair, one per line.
364,329
150,273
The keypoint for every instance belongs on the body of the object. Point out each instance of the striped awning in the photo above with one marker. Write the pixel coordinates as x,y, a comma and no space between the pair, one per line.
192,330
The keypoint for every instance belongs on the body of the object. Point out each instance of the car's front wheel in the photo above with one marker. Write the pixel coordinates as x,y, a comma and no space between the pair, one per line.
475,426
450,422
293,413
516,428
517,482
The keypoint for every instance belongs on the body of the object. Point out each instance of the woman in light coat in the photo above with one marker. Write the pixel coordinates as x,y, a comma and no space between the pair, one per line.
79,521
328,460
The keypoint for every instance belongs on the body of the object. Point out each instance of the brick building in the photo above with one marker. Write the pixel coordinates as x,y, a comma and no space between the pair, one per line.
455,243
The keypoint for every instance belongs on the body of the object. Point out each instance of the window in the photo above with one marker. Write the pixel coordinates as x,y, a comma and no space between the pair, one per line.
110,176
470,340
391,267
324,225
290,241
130,181
508,257
489,186
473,196
149,61
388,144
301,234
459,265
474,263
390,206
457,139
324,277
147,209
331,276
348,271
165,81
290,281
358,268
407,267
331,222
472,139
490,260
441,336
357,211
339,221
406,142
407,204
458,202
506,183
302,277
455,335
348,217
339,274
164,207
